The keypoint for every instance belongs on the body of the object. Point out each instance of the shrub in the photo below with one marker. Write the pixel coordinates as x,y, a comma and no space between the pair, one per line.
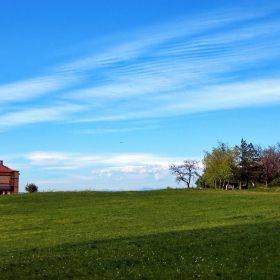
31,188
275,182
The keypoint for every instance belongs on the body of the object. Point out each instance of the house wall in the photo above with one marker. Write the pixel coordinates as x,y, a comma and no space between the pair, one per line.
14,181
5,178
9,182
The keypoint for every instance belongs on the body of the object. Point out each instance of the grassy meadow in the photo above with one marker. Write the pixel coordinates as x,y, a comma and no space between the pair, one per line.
165,234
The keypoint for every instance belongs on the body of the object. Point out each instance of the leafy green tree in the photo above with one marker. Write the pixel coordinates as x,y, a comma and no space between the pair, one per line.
242,164
218,166
31,188
275,182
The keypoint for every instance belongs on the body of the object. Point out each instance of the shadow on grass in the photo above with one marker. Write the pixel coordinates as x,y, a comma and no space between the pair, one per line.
232,252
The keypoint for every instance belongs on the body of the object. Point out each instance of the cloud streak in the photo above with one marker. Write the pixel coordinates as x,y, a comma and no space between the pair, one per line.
55,160
170,70
32,88
39,114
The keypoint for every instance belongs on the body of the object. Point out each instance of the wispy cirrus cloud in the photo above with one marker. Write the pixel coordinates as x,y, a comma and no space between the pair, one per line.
44,159
116,130
101,163
39,114
177,77
259,92
25,90
171,69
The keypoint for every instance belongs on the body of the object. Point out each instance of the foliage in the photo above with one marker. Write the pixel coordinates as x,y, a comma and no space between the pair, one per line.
270,159
218,165
31,188
240,165
185,172
249,163
275,182
207,234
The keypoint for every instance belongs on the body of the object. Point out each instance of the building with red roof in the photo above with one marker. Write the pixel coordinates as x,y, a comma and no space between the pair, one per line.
9,179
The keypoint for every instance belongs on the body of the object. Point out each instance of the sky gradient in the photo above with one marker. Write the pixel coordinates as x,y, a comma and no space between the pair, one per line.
107,96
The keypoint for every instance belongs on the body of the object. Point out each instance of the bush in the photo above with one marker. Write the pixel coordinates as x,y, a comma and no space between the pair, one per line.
31,188
275,182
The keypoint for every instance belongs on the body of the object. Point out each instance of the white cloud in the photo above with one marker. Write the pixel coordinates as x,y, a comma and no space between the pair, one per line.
116,130
191,74
44,157
256,92
158,171
28,89
78,171
40,114
101,164
51,183
171,69
148,168
159,176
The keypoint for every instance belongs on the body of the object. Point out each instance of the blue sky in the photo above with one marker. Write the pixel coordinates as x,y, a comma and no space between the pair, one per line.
107,96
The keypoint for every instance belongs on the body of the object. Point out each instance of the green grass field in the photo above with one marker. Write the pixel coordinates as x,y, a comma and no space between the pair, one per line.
166,234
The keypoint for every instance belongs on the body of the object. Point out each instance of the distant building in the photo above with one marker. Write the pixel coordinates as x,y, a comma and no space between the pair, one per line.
9,179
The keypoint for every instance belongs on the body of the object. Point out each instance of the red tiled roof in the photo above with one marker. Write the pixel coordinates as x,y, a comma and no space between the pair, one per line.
4,168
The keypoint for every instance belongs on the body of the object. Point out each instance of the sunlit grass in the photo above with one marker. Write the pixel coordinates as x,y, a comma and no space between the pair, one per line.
168,234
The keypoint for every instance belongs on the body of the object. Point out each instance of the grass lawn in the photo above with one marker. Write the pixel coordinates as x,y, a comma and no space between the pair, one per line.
166,234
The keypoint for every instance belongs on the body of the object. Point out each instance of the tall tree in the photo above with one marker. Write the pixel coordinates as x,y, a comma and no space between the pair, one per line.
185,172
270,159
249,163
218,165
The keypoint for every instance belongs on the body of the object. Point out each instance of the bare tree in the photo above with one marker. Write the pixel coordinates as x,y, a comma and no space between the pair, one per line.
185,172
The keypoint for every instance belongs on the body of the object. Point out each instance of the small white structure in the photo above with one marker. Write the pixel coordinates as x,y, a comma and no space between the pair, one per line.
229,187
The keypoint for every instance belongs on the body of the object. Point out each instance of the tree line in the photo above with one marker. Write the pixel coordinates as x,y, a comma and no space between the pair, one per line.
242,166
